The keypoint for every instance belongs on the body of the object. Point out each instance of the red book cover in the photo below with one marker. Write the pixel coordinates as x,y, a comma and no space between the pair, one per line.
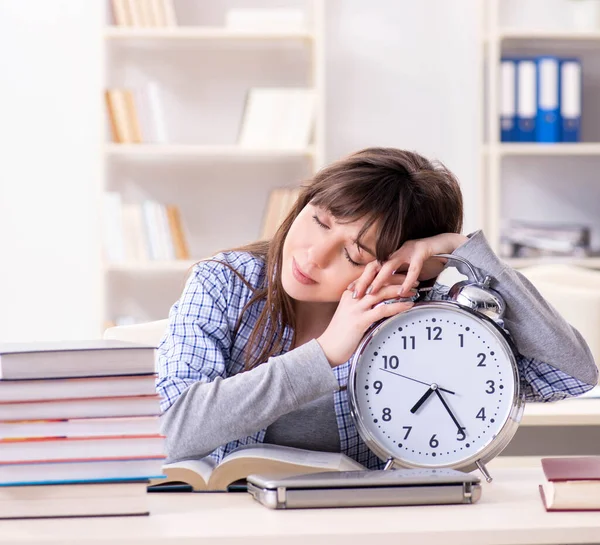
577,468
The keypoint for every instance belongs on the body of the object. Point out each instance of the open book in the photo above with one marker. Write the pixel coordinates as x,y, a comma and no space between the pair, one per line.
275,460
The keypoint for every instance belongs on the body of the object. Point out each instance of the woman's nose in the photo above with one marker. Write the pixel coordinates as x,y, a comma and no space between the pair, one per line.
320,254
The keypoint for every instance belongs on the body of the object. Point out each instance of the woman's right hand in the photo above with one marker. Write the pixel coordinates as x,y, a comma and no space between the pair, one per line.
352,319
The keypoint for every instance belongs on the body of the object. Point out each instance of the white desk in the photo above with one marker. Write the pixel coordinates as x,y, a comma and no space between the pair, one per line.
509,512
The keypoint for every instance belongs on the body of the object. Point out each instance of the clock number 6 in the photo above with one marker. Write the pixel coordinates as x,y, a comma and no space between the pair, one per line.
433,442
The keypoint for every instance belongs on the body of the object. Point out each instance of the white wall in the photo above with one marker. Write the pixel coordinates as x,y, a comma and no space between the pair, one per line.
399,73
50,100
405,74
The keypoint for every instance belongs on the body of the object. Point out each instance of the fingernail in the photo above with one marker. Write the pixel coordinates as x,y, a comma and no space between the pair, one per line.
369,290
351,286
354,294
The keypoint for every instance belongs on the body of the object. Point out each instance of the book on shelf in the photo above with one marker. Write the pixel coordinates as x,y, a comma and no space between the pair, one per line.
80,471
47,449
138,232
265,19
137,116
572,483
75,388
123,116
279,204
143,13
152,113
80,427
90,407
75,500
61,359
278,118
276,460
178,236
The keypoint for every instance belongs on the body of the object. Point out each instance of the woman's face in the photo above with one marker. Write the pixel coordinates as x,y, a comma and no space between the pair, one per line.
321,257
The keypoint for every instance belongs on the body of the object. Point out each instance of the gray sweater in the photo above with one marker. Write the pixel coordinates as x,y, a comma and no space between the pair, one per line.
291,393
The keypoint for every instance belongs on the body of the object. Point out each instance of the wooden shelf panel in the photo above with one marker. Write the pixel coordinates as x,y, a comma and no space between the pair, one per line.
533,34
199,151
570,412
201,33
535,149
518,262
178,266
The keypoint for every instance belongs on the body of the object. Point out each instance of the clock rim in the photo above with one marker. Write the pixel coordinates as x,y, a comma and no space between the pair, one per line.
487,453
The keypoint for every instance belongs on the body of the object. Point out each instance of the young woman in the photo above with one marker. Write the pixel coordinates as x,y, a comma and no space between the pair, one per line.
258,345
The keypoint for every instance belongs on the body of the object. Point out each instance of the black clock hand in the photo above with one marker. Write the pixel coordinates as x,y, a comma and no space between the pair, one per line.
460,429
415,380
422,400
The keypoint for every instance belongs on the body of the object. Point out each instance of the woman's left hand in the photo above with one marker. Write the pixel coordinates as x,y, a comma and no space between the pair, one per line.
415,258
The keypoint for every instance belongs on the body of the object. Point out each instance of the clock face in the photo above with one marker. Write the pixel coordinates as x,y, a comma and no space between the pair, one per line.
434,385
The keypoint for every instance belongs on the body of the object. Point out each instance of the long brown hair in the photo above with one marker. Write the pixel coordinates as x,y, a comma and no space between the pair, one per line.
408,196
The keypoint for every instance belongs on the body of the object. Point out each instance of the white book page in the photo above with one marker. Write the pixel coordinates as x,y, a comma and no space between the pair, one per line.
203,467
333,461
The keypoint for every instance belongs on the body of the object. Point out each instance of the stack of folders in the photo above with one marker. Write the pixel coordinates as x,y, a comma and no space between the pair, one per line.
540,99
79,430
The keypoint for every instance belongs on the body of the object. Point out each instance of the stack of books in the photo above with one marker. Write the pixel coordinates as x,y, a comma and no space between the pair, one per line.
541,239
571,483
79,429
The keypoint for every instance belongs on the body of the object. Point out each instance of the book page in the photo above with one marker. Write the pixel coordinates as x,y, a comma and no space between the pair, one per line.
196,473
571,495
277,460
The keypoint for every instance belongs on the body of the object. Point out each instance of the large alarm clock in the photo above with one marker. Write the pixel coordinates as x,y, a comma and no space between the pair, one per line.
438,385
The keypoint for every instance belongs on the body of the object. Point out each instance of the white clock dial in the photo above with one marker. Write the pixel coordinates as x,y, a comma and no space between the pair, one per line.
434,385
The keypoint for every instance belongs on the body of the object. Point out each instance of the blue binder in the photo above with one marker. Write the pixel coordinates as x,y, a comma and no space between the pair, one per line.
548,96
508,100
526,99
571,99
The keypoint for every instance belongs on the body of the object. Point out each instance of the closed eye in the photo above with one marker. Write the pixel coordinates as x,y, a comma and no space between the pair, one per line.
351,260
319,222
346,254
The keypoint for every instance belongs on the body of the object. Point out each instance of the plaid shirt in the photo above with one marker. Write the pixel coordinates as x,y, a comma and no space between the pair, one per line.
215,296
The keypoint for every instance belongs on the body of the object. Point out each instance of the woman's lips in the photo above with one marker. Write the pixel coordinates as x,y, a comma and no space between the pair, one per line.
300,276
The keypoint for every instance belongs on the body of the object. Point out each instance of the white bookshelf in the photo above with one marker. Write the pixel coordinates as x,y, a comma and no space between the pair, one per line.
203,151
221,188
505,34
544,149
560,179
200,33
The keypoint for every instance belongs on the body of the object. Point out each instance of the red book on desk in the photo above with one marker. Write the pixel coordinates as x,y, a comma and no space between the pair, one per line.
572,484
